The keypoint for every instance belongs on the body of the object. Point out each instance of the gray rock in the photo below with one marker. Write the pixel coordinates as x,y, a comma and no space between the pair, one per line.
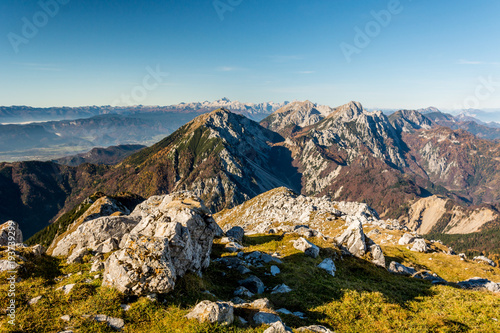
429,276
406,239
419,245
353,239
6,265
233,247
213,312
34,300
65,318
307,247
480,283
314,328
377,255
242,291
114,323
97,266
275,270
94,234
462,256
281,289
38,250
277,327
329,266
125,307
254,284
265,318
237,233
10,233
257,257
143,266
173,239
398,268
485,260
67,288
77,256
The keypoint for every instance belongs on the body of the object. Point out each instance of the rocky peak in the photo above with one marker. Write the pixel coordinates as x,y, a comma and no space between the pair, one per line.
409,120
348,112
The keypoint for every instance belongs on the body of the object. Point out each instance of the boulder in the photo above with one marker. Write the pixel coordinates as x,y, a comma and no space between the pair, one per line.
254,284
353,239
398,268
34,300
114,323
258,257
233,247
307,247
7,265
265,318
277,327
92,234
175,238
406,239
275,270
485,260
480,283
38,250
329,266
314,328
10,233
213,312
143,266
419,245
378,257
281,289
242,291
237,233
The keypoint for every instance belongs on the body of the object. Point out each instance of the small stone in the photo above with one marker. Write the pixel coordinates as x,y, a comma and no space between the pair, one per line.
275,270
419,245
34,300
329,266
65,318
213,312
315,329
114,323
406,239
281,289
67,288
125,307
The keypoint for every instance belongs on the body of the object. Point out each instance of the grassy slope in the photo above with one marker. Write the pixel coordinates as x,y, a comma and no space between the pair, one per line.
360,298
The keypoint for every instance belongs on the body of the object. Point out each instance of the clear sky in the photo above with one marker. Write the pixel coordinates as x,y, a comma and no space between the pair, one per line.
441,53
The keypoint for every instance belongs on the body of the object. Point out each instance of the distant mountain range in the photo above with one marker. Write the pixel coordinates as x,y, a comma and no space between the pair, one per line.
69,131
345,153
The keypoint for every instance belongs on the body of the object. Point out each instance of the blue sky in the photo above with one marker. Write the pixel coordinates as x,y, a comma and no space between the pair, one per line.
440,53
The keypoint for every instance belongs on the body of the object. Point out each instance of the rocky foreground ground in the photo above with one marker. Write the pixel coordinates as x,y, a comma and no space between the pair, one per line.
277,263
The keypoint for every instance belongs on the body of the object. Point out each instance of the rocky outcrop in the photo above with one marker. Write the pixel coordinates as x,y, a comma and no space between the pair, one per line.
480,283
485,260
173,239
102,235
10,233
354,240
438,214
